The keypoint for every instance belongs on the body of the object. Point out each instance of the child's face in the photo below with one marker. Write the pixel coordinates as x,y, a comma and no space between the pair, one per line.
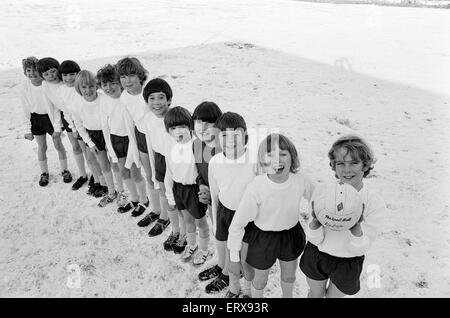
89,92
277,162
112,89
51,76
181,134
232,142
69,79
33,75
205,131
158,104
131,83
349,170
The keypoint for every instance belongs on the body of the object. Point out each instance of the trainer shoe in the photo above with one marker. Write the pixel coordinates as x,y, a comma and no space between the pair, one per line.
67,176
79,183
109,198
220,283
92,188
180,245
43,180
188,253
159,227
171,241
230,294
210,273
91,180
138,210
122,199
129,206
149,218
101,191
200,257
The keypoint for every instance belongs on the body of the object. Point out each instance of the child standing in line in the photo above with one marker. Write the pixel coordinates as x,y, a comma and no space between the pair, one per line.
206,145
272,202
36,114
87,119
181,186
229,173
133,77
69,70
48,70
333,260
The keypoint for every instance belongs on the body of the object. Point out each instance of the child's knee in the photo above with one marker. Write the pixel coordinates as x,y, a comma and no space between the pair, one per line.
259,282
288,278
126,174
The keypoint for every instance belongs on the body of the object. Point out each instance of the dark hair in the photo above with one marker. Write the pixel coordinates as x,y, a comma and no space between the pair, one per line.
358,149
29,62
283,143
108,74
207,111
178,116
157,85
132,66
230,120
68,67
46,64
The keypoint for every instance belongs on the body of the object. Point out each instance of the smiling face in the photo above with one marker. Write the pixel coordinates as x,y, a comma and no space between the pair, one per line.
349,170
51,76
181,134
112,89
69,79
131,83
205,131
158,104
33,75
88,91
277,163
232,142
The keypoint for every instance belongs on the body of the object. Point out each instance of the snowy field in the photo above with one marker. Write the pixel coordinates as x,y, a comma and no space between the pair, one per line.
313,70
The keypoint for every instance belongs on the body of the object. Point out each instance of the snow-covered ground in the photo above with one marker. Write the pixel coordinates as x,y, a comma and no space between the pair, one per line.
313,70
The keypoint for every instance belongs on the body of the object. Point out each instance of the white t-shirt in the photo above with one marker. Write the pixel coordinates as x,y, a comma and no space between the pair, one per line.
32,100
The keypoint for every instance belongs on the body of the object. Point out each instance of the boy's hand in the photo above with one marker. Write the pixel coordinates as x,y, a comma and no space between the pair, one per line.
356,230
315,224
29,136
204,196
235,268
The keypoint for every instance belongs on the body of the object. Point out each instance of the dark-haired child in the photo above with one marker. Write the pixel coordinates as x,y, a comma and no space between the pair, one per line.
181,186
272,202
333,260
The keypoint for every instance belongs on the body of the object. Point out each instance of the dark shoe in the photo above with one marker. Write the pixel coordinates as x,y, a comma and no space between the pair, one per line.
230,294
138,210
220,283
79,183
180,245
159,227
43,180
92,188
101,191
91,180
171,241
210,273
129,206
67,177
149,218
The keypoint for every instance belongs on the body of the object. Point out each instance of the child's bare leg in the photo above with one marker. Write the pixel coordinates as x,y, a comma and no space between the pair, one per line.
126,176
140,184
91,162
57,142
334,292
259,282
191,230
317,288
117,176
221,247
288,277
235,284
41,141
77,154
163,204
105,166
249,271
203,233
153,194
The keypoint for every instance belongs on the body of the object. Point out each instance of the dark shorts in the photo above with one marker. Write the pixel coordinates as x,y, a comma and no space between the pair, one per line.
223,220
343,272
120,145
160,167
141,141
65,124
186,198
97,138
41,124
265,247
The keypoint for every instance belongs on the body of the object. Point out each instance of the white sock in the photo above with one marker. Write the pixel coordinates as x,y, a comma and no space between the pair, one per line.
142,191
109,181
63,164
235,284
203,243
43,165
182,224
79,160
191,239
92,168
247,288
164,207
132,188
287,289
119,180
174,221
257,293
101,179
154,201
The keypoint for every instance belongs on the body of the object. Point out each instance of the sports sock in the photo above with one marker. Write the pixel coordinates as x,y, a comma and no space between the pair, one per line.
43,165
119,180
154,201
142,191
257,293
63,164
79,160
132,189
